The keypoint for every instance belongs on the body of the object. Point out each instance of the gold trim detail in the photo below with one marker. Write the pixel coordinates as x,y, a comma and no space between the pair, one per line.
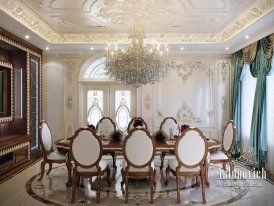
17,10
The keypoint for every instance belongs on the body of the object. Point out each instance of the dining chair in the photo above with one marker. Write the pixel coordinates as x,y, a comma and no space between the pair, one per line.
136,122
191,153
169,127
104,129
86,152
139,152
50,156
224,155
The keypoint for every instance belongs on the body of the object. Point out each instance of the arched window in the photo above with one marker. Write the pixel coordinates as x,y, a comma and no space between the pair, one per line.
103,97
97,70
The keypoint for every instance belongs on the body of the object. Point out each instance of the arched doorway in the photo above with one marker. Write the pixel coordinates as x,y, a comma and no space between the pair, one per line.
100,96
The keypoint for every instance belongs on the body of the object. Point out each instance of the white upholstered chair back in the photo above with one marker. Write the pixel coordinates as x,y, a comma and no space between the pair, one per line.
86,148
139,148
105,127
169,127
46,136
191,148
229,136
131,124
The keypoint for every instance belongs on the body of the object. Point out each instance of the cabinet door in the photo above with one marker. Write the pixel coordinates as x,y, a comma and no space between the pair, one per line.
34,99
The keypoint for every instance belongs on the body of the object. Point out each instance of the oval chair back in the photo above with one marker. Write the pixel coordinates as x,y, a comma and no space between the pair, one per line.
131,123
229,136
105,127
169,127
191,148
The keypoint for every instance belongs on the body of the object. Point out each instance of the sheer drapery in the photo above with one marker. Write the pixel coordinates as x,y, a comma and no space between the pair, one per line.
236,99
260,68
248,86
270,119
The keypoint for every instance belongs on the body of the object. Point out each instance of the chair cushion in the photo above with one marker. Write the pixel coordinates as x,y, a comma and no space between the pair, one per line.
219,155
56,156
173,163
103,164
134,169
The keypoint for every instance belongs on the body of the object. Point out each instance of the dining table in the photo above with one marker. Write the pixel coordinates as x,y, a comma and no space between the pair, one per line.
63,146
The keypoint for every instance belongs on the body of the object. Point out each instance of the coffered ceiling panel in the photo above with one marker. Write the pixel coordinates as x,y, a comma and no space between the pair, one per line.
162,16
218,23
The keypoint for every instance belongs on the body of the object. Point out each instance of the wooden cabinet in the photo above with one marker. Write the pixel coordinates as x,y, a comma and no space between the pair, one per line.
20,103
14,154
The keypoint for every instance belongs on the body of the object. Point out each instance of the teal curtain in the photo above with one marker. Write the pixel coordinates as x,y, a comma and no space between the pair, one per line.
260,68
236,100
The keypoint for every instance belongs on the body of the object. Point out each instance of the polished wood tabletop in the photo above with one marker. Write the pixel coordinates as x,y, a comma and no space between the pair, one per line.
63,145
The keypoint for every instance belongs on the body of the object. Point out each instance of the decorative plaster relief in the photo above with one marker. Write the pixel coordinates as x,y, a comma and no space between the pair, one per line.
69,102
23,14
185,115
223,69
147,101
70,67
223,102
185,70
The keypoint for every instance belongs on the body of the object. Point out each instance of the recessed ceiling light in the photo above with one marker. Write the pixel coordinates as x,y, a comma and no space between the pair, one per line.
91,48
47,48
227,48
182,48
246,36
26,36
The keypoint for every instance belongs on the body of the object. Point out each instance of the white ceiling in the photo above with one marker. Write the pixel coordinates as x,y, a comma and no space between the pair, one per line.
197,25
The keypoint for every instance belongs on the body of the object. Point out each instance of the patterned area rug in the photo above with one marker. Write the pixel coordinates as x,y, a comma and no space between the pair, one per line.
52,189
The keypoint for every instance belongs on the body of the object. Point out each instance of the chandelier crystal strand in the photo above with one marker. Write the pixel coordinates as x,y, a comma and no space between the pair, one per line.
137,65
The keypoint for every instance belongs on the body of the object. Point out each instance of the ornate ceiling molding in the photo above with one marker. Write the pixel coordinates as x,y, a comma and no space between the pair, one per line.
17,10
257,11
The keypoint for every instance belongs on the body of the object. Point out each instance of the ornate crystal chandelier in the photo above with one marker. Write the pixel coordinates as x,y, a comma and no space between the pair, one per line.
137,65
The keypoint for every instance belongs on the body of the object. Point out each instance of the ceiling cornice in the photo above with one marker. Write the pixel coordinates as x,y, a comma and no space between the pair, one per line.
17,10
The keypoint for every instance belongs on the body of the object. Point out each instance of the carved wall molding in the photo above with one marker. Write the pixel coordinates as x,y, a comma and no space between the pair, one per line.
185,115
223,102
69,102
147,102
223,69
254,14
70,67
185,70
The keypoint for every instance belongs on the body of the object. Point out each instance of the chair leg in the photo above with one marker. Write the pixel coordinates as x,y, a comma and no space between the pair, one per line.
114,160
108,177
151,181
167,175
42,169
50,167
123,178
98,188
178,187
73,186
154,179
126,188
203,185
224,166
231,166
163,154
